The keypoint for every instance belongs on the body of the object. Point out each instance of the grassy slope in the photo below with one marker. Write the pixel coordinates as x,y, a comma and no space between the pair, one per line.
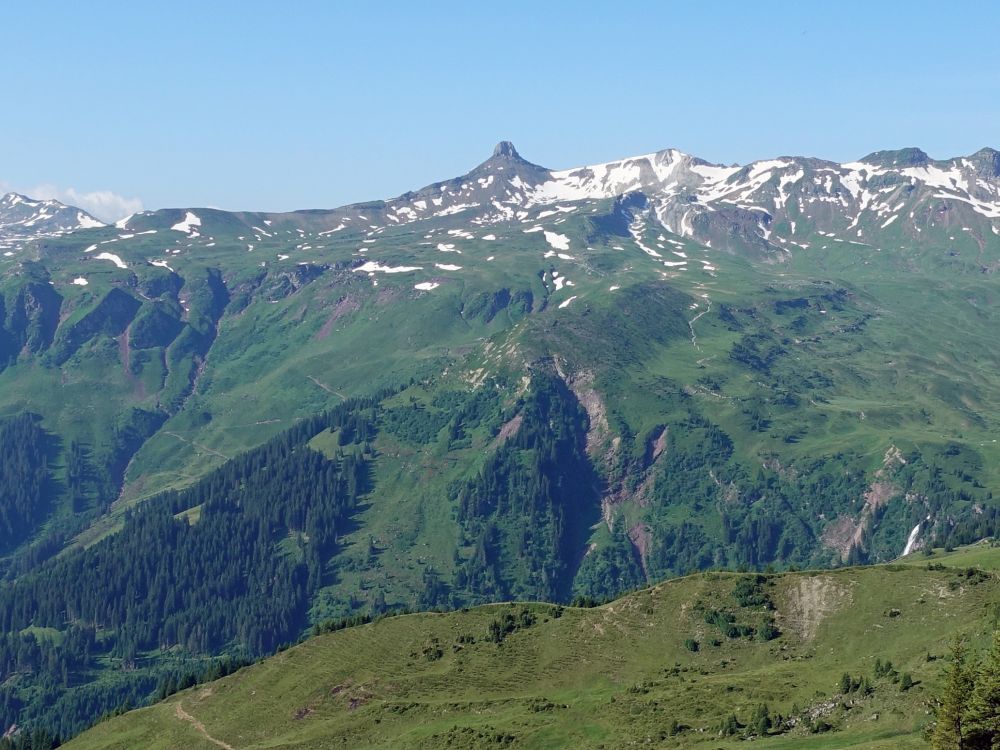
605,677
254,385
914,376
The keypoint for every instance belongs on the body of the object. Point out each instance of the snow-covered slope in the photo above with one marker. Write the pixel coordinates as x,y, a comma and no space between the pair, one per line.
764,204
23,219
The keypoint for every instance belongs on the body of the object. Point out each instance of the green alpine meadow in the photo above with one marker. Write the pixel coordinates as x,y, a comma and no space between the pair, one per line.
654,452
851,658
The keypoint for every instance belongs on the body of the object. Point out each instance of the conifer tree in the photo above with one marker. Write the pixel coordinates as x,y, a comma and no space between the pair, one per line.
846,683
761,722
983,712
951,728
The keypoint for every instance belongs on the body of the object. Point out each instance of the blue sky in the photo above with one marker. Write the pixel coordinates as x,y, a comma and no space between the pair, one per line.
252,105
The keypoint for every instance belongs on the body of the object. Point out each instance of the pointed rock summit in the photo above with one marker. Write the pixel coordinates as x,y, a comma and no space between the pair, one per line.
505,158
505,149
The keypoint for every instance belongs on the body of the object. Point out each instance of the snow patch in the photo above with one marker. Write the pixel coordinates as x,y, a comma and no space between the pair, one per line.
113,258
189,223
558,241
935,177
88,222
373,266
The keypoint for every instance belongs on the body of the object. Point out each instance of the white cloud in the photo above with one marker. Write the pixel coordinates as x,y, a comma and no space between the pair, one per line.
104,204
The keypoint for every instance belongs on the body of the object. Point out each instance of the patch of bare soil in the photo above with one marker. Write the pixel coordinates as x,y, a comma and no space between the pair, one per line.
509,429
811,599
345,306
847,532
642,540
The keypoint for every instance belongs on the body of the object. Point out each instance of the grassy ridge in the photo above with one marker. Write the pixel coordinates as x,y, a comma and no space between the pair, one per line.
611,676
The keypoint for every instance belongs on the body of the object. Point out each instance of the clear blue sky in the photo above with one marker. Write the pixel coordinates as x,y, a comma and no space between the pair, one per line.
252,105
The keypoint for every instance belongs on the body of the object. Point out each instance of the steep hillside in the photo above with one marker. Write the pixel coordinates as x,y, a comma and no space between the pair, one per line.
181,337
688,663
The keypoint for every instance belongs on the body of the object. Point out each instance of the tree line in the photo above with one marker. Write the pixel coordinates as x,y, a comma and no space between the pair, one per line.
228,565
24,476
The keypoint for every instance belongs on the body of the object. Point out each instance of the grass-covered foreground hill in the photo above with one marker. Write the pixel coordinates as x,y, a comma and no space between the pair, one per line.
851,658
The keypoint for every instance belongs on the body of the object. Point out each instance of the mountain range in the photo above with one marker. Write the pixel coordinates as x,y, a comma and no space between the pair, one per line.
520,383
737,207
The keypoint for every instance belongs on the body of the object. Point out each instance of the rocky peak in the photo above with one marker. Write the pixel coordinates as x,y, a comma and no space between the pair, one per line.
904,157
505,149
987,161
506,159
13,199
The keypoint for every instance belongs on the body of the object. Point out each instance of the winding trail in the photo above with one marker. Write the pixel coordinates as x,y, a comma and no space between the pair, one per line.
183,715
694,338
199,446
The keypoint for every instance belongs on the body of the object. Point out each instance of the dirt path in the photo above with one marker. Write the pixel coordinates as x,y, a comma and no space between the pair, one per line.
327,388
183,715
199,446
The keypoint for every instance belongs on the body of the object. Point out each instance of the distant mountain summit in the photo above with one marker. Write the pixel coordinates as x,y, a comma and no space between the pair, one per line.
23,219
506,150
769,207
